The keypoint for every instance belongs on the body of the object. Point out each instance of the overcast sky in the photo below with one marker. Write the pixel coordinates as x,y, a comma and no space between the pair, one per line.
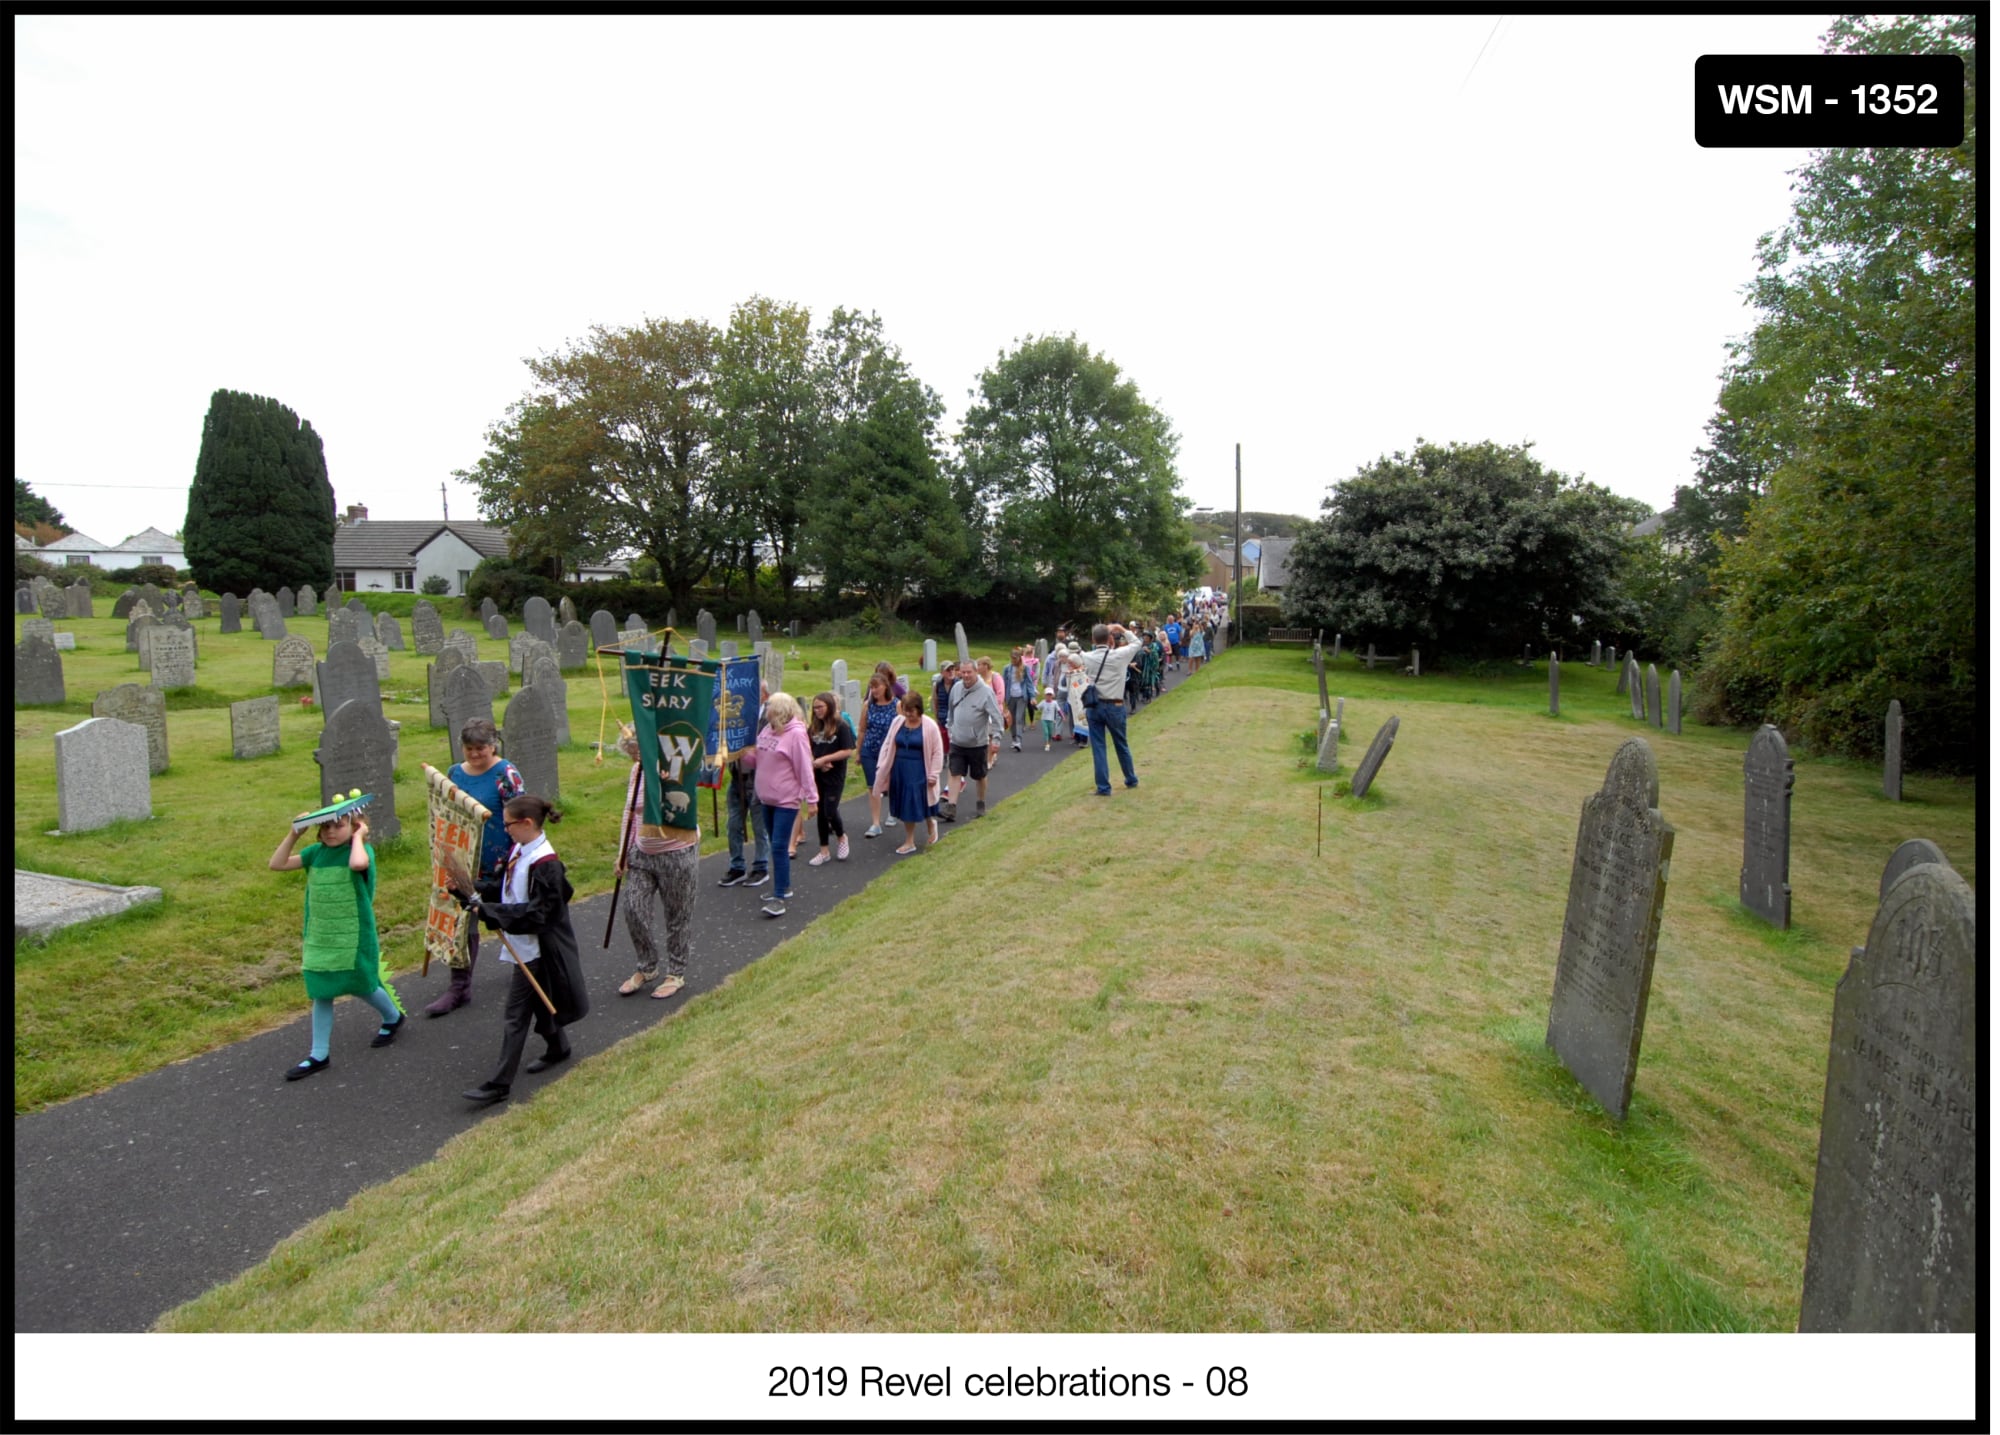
1321,238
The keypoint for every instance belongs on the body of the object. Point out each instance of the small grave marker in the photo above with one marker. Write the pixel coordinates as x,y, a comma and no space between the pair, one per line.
144,707
253,727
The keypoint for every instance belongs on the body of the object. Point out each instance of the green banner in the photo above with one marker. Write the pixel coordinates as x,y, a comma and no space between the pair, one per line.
673,702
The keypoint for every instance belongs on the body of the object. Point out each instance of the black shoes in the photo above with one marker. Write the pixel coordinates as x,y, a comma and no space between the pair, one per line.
485,1094
757,878
548,1059
387,1032
306,1068
732,878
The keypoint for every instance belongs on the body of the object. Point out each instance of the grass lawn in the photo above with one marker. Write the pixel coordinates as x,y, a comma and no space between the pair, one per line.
217,959
1180,1073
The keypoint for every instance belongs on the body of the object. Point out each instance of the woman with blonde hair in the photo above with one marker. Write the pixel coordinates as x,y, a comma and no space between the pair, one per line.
784,785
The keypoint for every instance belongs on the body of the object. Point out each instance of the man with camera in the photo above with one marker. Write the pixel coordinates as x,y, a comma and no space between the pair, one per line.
1106,669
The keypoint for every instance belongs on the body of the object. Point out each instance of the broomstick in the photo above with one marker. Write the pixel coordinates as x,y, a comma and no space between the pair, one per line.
459,873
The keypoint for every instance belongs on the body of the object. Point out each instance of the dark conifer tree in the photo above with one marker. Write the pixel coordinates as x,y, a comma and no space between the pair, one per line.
260,510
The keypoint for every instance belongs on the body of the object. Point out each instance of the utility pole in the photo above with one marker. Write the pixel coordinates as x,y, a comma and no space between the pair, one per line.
445,499
1236,587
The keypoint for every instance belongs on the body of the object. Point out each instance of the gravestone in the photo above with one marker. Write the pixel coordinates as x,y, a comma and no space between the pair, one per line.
52,600
1653,715
1894,1240
347,675
388,632
704,627
1906,856
1674,703
144,707
1596,652
1336,649
287,603
1635,685
1555,685
341,627
1041,660
774,667
1371,761
850,703
566,610
530,731
753,627
1329,741
696,648
139,639
253,727
291,662
270,622
792,628
39,628
487,608
65,642
542,672
635,620
173,657
1319,672
572,646
728,648
192,605
739,622
495,673
24,601
1416,663
467,645
929,662
78,601
539,618
517,650
357,748
435,675
467,695
308,606
1624,675
1764,886
101,775
837,675
170,605
603,630
358,608
640,640
38,674
232,613
1611,929
673,619
964,648
378,651
1892,752
496,626
426,629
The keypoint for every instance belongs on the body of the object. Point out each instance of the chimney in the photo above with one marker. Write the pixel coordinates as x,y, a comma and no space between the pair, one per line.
356,512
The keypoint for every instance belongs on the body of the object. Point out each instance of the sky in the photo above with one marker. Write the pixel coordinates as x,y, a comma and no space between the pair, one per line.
1321,238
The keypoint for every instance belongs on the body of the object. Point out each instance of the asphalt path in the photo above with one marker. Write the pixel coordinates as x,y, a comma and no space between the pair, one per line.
129,1202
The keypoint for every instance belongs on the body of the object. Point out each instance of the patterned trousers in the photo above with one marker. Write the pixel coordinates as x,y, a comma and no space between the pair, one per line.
659,908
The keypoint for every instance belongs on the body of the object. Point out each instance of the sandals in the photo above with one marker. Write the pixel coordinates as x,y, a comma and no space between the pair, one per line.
670,987
905,851
631,985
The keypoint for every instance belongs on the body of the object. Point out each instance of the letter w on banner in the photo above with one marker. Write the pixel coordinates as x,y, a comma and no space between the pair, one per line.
673,699
457,825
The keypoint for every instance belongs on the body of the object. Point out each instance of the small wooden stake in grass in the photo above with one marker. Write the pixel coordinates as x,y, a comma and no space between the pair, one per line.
1319,824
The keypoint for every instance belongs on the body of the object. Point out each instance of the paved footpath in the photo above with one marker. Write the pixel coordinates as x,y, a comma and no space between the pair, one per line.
129,1202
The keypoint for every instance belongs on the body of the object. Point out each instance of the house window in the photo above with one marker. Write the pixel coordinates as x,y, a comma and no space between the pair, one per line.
464,579
344,580
152,558
76,560
406,580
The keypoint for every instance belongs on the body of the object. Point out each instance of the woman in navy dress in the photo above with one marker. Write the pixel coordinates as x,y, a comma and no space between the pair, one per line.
911,777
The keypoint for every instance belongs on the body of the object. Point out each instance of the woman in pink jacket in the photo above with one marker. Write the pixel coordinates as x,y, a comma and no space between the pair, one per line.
784,785
910,768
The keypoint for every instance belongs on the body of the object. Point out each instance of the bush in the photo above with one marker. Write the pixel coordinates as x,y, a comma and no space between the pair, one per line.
867,626
165,575
1258,621
27,566
509,585
619,596
436,586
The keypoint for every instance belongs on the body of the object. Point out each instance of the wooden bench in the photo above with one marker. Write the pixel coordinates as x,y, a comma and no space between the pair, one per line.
1289,635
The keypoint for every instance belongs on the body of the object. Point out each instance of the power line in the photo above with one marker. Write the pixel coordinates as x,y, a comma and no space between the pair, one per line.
1481,55
154,487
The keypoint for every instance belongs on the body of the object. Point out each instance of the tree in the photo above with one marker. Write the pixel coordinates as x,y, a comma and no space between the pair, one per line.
1468,550
1078,471
260,509
34,510
772,438
614,447
1856,577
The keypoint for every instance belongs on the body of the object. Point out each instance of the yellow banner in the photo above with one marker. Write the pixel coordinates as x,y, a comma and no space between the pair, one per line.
457,825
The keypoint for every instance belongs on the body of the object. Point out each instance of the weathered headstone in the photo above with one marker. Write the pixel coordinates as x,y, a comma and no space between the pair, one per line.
341,627
1635,685
704,627
388,632
1892,752
78,601
539,618
792,628
1906,856
24,600
565,610
38,674
426,629
52,600
145,708
696,647
308,605
636,620
1371,761
1416,663
1674,703
1894,1240
1624,675
347,675
101,775
291,662
435,675
173,657
232,613
530,731
287,603
929,663
1611,929
572,646
1653,714
1596,652
603,630
740,621
673,619
170,604
774,667
378,651
192,605
543,672
964,648
753,627
728,648
467,695
1325,704
496,626
270,622
467,645
1764,886
495,673
487,608
65,642
1336,649
358,608
837,676
139,639
41,628
1329,742
253,727
357,748
850,702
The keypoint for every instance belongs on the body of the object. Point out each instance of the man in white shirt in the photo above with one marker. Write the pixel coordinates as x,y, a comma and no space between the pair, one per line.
1106,669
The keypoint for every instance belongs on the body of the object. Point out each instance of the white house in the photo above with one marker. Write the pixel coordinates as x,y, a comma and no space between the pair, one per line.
385,555
76,550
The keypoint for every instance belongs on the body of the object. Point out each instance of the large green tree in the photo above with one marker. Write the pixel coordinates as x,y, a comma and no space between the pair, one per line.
1855,580
1466,550
33,509
772,435
260,509
885,521
1077,470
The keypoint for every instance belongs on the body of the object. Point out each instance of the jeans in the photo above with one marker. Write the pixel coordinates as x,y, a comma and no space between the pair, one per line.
743,804
782,820
1110,717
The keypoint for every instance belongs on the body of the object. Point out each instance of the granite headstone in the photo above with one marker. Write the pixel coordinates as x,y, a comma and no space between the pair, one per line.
101,775
1371,761
572,646
78,601
287,603
291,662
1892,752
467,695
530,731
603,630
1764,885
496,626
1555,685
388,632
539,618
426,629
145,708
565,610
38,673
348,674
232,613
253,727
495,673
704,627
436,673
172,651
377,650
543,672
357,748
467,645
308,604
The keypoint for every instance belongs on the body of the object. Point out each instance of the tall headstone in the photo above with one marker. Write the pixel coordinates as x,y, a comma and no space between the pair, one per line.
1042,661
487,608
1611,929
101,775
357,748
1894,1241
529,729
308,604
774,667
930,662
426,629
253,727
173,657
572,646
232,613
1319,672
291,662
837,675
964,648
565,610
753,627
603,630
38,674
517,650
1635,685
543,672
539,618
79,605
1892,752
191,604
378,652
287,603
673,619
1555,685
144,707
270,622
1674,703
1765,883
1624,675
1329,742
53,601
139,639
347,675
467,645
792,628
850,703
388,632
1371,761
740,622
495,673
1653,714
1416,663
467,695
496,626
24,601
704,627
1596,652
435,674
